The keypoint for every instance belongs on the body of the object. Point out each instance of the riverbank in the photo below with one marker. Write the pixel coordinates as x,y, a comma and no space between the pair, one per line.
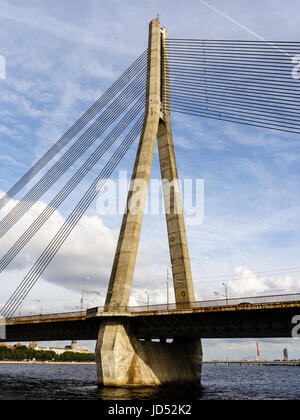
295,363
13,362
254,363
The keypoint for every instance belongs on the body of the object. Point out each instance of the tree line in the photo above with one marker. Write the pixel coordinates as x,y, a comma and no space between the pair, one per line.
23,353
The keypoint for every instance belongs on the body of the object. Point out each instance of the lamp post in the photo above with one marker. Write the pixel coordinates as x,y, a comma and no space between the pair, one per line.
84,284
148,297
226,293
94,293
167,282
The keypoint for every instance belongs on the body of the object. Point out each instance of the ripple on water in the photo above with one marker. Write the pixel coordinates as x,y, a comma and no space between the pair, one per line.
70,382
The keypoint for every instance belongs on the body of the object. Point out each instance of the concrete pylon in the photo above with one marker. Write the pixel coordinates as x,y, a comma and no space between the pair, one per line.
123,360
182,275
119,289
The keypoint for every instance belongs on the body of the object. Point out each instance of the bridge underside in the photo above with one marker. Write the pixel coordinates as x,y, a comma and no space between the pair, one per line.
222,323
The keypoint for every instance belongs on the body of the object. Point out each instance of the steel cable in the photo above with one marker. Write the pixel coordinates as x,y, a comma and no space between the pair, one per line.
73,182
255,64
262,116
242,55
227,94
236,78
123,80
44,260
271,90
236,108
232,119
126,98
227,70
237,81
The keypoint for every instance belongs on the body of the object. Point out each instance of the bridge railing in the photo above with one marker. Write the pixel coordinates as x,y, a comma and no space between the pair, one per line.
45,317
245,301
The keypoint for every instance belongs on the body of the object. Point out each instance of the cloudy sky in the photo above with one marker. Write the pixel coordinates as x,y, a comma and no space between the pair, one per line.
59,59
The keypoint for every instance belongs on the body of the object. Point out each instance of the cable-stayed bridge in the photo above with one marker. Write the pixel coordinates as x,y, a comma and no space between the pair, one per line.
232,318
252,83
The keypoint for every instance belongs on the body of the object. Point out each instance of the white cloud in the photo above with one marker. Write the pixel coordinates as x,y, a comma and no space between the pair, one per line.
247,283
186,144
88,252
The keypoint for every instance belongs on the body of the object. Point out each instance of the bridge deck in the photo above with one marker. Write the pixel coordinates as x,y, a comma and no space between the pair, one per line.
235,318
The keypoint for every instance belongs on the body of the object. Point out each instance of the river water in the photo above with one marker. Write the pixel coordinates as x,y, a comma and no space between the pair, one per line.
69,382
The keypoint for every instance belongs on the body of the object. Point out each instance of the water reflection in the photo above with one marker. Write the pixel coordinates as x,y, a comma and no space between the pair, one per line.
149,393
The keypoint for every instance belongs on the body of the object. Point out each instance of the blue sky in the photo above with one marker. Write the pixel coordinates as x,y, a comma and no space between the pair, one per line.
60,57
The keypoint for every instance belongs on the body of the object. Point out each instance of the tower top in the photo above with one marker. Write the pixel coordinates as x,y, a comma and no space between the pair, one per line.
156,20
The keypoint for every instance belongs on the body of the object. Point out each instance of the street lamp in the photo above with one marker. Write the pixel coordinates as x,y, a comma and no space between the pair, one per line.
84,284
226,293
94,293
148,297
167,282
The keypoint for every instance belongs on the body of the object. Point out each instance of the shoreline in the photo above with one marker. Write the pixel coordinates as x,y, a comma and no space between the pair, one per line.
13,362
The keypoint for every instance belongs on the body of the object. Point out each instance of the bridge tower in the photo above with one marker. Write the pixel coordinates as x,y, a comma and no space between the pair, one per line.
123,360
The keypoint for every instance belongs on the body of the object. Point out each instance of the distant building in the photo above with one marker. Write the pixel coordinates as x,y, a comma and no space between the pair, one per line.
73,348
62,351
285,355
258,356
74,345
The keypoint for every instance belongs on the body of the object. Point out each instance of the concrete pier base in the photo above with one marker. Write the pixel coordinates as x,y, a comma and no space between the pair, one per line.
123,360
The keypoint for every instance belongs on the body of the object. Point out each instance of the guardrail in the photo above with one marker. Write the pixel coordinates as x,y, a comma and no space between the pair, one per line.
45,317
245,301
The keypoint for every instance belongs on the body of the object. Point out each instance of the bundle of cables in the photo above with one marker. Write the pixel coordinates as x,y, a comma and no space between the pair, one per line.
123,107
